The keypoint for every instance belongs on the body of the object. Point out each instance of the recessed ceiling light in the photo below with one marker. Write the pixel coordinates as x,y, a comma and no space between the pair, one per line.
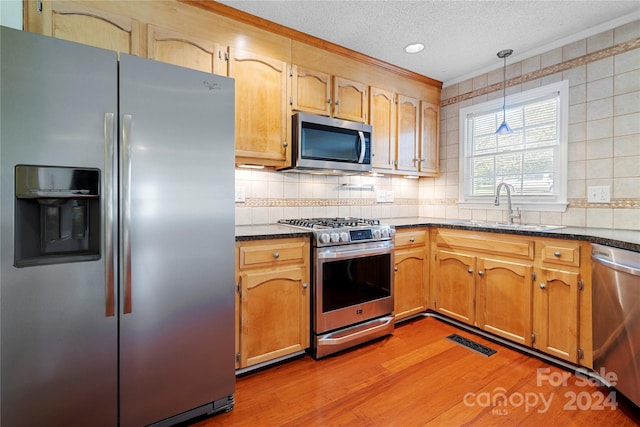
414,48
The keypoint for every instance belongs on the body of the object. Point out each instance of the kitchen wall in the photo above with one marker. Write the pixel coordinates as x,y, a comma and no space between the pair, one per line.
604,148
604,130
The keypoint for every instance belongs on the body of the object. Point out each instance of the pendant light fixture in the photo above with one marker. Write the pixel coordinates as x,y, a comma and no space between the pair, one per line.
504,128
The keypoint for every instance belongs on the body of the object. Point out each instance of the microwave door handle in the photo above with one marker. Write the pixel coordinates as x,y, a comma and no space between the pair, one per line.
363,146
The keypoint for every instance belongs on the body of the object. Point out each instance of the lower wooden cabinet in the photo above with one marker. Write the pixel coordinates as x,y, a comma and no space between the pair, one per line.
562,300
556,308
454,285
504,298
410,273
532,291
272,300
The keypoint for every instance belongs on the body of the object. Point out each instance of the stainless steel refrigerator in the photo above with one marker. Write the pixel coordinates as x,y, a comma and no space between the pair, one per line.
117,236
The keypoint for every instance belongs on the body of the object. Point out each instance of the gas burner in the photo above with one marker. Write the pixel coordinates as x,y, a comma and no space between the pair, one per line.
342,231
330,222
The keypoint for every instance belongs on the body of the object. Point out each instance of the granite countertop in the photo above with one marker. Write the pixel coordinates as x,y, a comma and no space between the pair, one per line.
268,231
623,239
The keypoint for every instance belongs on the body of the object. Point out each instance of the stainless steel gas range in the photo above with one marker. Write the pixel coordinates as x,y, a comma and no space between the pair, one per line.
352,281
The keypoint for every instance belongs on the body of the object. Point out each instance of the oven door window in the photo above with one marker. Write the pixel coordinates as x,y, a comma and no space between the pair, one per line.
355,281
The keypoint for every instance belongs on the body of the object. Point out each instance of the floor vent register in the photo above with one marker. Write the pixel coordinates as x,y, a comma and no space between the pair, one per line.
471,345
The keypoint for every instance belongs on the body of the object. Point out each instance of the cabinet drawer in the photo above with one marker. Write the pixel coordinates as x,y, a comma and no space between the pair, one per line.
265,255
564,253
410,237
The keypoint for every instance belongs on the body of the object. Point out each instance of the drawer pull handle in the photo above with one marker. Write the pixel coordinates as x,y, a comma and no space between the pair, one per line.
480,273
557,254
276,255
413,239
395,268
305,285
542,286
470,271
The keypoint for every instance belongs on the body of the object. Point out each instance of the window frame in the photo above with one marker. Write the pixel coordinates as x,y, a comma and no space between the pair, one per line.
553,203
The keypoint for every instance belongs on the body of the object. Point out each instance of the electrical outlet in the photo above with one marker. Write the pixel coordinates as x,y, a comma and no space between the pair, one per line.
384,196
390,196
240,194
599,194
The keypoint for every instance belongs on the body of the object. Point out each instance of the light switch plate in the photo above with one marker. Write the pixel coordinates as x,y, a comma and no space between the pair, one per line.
384,196
240,194
599,194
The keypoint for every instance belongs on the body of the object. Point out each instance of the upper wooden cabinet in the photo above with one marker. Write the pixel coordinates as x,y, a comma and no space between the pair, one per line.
350,100
407,134
320,93
310,91
429,140
76,22
263,117
186,51
382,116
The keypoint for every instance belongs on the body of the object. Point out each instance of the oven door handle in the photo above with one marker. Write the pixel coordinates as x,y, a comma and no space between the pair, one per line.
354,253
382,323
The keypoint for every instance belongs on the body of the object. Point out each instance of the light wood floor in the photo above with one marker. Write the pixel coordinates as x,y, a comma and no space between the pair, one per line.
416,377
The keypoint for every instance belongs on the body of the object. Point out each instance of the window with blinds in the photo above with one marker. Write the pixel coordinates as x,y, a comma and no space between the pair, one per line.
532,158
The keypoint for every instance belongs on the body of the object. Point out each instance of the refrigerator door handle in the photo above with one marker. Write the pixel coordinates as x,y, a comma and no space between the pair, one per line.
125,191
109,206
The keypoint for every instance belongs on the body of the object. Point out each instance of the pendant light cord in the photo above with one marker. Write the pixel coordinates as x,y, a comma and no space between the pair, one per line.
504,90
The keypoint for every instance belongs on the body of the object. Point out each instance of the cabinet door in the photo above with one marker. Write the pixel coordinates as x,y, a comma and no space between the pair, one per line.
410,292
350,100
429,138
382,116
262,110
504,299
455,287
185,50
274,314
76,22
310,91
407,134
556,313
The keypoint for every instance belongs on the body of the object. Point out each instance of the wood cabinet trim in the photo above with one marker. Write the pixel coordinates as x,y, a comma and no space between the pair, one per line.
299,36
485,243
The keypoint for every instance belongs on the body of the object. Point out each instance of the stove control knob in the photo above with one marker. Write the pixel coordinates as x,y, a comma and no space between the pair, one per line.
335,238
376,234
324,238
344,237
385,232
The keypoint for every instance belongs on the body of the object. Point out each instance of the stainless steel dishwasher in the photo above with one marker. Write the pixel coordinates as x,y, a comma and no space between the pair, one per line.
616,317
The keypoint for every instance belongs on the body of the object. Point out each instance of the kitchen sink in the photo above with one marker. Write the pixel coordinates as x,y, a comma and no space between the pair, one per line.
506,225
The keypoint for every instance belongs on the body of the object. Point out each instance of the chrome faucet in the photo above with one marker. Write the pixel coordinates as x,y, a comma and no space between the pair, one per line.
509,206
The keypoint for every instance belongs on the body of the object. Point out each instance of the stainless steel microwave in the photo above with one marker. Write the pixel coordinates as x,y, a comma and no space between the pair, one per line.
329,145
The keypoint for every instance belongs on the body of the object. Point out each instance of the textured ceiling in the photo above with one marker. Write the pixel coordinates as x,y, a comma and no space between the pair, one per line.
461,37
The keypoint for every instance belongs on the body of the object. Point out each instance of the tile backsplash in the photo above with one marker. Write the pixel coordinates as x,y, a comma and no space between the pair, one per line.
604,148
270,196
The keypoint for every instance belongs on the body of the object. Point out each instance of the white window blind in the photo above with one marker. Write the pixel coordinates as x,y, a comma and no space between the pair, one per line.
532,158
